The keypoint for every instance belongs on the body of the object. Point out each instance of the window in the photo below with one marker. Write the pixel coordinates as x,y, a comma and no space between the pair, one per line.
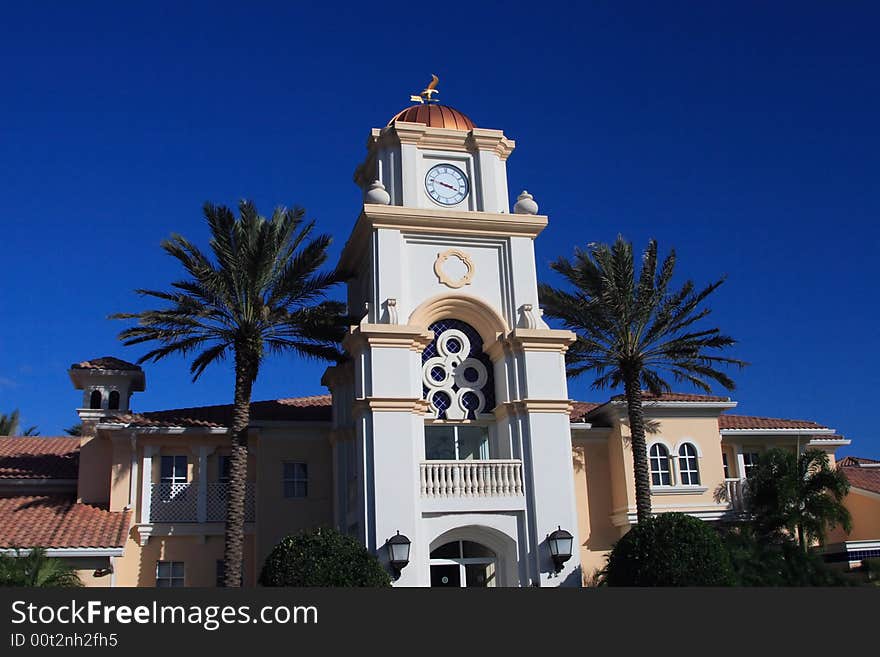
95,399
688,469
296,480
724,463
661,474
457,377
223,463
174,469
463,564
456,443
750,460
113,403
169,574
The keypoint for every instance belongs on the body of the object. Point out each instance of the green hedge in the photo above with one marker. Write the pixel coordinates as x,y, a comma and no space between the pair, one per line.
322,557
671,549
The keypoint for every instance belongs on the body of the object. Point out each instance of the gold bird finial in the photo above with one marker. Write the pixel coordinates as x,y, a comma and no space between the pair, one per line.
427,95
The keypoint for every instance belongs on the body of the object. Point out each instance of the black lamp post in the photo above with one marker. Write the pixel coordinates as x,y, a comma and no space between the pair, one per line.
398,552
560,547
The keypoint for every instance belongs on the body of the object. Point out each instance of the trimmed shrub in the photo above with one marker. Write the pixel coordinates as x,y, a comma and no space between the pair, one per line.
671,549
322,557
775,560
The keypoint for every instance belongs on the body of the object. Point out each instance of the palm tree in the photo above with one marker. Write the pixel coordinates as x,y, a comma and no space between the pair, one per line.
800,494
634,331
34,568
261,294
74,429
10,424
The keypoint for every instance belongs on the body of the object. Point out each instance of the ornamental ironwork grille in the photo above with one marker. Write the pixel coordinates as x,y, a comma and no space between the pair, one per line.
457,376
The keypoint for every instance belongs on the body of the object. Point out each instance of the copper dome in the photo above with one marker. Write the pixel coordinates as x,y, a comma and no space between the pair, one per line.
434,116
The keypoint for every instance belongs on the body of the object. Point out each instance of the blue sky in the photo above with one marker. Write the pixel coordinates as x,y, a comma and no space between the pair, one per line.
745,135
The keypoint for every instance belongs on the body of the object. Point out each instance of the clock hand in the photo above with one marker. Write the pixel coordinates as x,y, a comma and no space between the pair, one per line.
446,185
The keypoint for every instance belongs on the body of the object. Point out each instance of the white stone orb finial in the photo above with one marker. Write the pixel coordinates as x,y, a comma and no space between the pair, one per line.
376,194
525,204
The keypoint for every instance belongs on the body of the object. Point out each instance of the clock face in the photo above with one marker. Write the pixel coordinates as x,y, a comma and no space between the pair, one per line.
446,184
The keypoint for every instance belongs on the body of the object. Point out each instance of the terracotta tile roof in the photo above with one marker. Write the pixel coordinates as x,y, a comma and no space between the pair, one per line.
39,458
855,461
860,476
580,410
726,421
106,363
57,521
316,408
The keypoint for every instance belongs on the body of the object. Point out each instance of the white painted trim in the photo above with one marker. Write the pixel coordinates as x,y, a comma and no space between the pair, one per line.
145,531
691,442
165,430
679,489
630,518
675,404
865,492
829,441
778,432
660,441
68,552
38,483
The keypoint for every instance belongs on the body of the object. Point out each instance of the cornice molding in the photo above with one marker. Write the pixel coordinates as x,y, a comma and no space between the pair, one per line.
401,336
424,137
391,405
526,406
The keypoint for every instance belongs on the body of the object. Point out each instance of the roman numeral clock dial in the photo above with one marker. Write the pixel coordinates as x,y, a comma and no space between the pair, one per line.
446,184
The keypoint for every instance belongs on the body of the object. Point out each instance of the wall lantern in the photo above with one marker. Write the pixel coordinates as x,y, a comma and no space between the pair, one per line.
560,547
398,552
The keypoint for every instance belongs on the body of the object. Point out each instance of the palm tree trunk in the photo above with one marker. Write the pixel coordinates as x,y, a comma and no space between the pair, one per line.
641,472
234,547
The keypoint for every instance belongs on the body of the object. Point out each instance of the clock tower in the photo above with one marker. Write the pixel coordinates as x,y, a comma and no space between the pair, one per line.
451,418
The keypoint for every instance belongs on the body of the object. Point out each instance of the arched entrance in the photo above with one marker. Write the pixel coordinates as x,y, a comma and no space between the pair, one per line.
473,556
464,564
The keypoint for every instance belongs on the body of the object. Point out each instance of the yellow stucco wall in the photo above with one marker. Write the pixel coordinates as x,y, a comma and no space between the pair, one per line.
865,512
95,464
672,431
592,480
199,555
278,516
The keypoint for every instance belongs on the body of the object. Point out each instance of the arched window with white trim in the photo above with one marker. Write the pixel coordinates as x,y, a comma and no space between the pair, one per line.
95,399
688,468
661,468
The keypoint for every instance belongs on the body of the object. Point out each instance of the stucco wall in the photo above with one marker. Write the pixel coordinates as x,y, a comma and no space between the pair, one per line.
592,484
200,555
673,431
278,516
95,461
865,511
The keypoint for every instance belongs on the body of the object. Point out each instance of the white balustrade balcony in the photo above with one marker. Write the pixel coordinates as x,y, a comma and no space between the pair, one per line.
471,479
188,502
736,493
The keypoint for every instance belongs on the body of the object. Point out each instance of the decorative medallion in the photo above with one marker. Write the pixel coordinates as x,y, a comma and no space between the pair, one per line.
444,277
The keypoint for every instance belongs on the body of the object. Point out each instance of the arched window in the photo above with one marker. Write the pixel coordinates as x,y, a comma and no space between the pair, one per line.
113,402
457,377
688,469
661,472
95,399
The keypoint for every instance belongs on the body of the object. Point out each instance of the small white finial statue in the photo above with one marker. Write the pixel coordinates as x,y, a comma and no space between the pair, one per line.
525,204
377,194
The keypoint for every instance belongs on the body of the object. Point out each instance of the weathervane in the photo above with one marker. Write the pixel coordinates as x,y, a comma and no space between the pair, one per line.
427,96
